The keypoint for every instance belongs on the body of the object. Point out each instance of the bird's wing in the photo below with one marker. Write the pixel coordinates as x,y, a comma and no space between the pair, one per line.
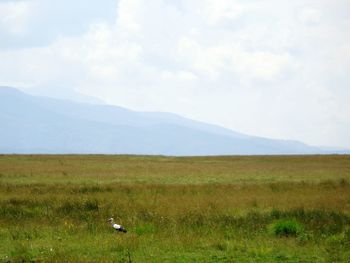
116,226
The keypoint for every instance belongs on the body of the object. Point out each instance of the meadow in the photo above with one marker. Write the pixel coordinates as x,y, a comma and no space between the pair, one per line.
54,208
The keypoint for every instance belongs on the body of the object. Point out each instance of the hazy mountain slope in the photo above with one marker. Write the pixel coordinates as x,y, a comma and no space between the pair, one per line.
120,116
31,124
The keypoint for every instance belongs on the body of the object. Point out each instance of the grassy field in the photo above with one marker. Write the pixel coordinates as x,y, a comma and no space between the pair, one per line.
200,209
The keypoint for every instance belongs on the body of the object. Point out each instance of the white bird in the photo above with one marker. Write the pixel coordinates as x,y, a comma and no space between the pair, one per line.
116,226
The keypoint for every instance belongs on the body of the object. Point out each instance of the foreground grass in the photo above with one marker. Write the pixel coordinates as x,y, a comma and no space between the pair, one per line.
210,209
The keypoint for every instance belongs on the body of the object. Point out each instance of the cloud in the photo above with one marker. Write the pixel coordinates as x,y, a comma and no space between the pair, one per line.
14,16
128,15
216,11
270,68
38,23
231,58
310,16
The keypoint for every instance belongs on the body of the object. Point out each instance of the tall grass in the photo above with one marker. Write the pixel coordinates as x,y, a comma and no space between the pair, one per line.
48,216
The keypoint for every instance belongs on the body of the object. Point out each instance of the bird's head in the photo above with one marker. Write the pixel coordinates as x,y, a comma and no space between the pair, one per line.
111,219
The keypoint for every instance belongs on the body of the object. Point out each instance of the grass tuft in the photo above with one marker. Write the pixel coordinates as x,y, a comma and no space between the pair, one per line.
285,228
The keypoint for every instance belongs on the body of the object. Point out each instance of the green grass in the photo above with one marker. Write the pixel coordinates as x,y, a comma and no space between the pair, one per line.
200,209
286,228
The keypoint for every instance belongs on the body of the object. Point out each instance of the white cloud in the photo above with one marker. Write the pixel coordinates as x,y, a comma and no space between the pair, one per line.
224,58
271,68
216,11
129,12
310,16
14,16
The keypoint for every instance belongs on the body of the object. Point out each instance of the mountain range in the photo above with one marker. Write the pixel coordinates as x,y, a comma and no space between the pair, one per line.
33,124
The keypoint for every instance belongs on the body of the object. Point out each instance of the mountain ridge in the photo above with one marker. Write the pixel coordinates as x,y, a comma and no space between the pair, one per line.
34,124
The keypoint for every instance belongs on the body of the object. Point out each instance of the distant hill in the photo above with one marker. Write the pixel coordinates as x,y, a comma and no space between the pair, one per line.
32,124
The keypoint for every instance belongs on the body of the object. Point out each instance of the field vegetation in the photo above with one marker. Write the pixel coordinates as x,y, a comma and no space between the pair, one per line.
176,209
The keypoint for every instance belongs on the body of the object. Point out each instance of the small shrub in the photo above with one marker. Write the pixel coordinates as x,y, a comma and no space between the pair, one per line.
285,228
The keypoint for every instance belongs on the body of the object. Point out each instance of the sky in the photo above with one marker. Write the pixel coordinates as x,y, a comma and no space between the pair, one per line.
272,68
